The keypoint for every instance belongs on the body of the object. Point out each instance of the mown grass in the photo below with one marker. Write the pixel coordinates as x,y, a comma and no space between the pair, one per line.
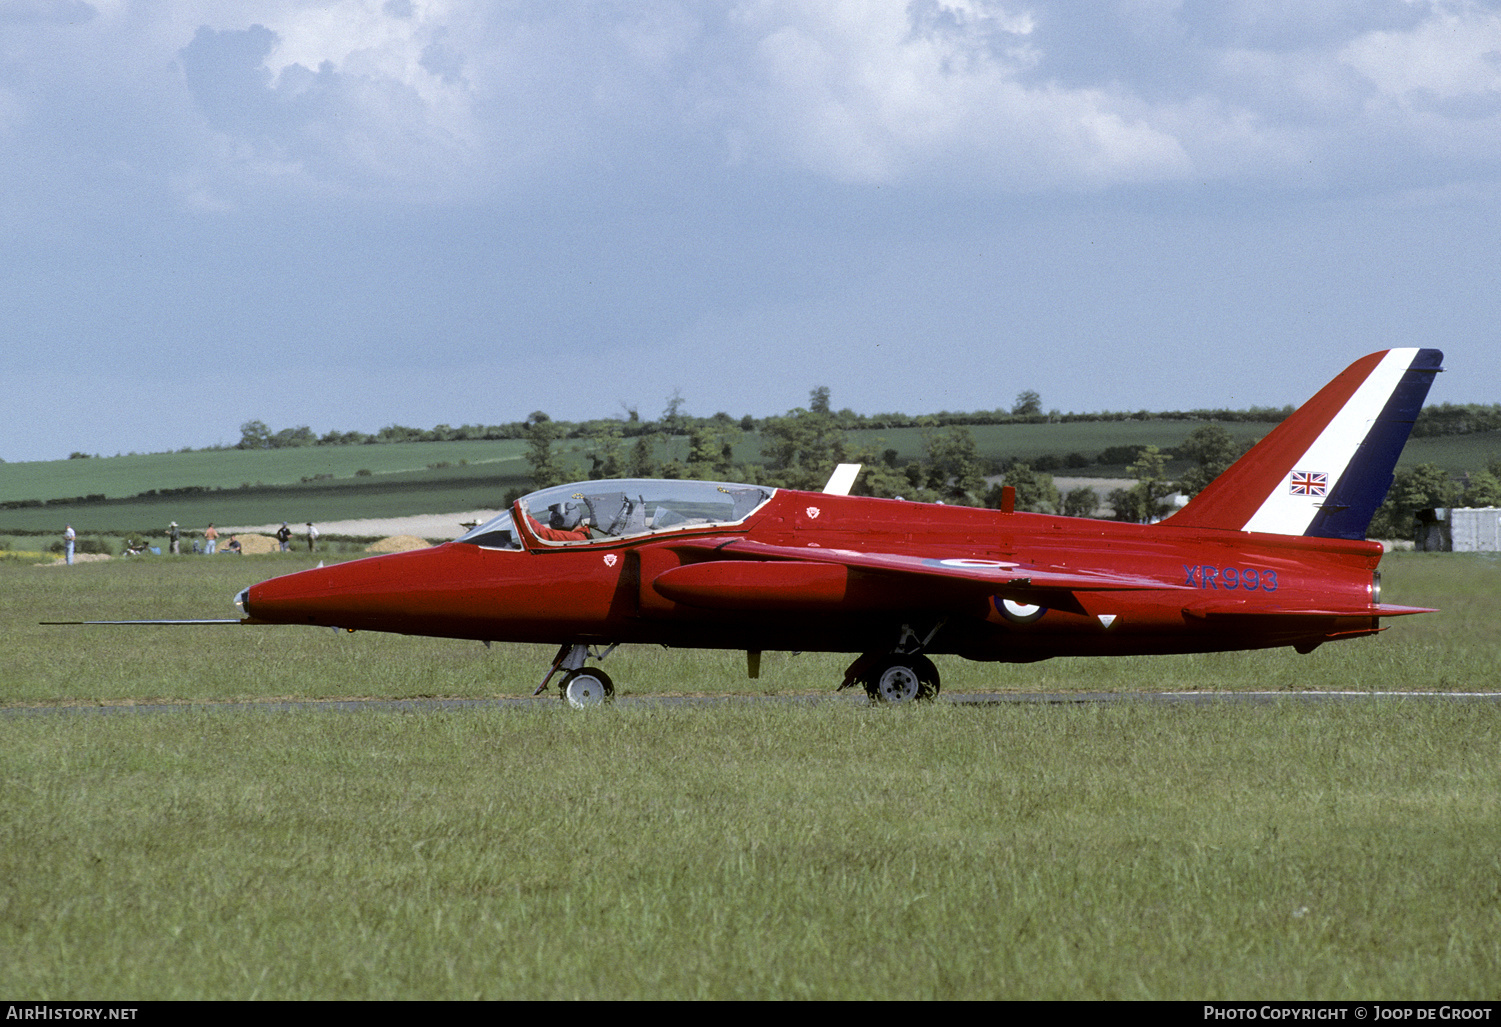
1130,850
1127,851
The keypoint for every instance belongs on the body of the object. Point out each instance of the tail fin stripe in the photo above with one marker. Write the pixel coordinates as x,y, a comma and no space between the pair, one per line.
1353,500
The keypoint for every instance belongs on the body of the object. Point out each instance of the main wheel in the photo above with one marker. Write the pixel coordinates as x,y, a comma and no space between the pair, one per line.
894,681
900,679
587,687
897,682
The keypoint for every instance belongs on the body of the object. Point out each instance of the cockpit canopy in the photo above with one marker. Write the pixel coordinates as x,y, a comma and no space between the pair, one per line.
593,511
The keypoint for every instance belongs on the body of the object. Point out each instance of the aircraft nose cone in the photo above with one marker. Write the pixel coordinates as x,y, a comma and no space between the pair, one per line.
319,596
383,593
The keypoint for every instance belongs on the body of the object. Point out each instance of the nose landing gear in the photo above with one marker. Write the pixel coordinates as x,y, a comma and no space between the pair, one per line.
581,686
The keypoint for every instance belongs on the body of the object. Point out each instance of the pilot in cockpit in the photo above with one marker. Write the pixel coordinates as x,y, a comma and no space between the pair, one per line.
565,523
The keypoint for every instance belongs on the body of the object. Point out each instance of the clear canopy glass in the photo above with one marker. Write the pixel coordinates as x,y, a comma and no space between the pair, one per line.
593,511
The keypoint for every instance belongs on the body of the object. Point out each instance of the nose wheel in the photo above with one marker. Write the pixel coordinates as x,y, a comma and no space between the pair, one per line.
584,688
581,686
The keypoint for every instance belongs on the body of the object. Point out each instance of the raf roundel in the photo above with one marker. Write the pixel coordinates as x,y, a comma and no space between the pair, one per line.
1019,613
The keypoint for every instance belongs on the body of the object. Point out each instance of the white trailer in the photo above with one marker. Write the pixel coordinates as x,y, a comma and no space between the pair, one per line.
1475,529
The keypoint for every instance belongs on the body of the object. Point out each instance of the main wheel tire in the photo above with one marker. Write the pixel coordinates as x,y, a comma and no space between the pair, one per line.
927,674
584,688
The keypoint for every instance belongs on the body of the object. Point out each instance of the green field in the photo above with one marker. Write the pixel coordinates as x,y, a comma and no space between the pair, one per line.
833,852
130,475
259,486
1131,850
324,483
396,494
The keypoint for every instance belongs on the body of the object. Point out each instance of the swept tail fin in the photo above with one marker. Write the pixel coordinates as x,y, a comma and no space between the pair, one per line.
1324,470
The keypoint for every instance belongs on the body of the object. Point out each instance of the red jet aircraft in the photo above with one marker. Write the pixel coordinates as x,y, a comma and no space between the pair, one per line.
1272,553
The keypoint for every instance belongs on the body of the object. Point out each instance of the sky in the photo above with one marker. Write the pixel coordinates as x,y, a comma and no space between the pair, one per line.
347,214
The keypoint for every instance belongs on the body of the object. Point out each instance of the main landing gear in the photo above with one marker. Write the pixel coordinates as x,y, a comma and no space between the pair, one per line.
581,686
894,677
902,675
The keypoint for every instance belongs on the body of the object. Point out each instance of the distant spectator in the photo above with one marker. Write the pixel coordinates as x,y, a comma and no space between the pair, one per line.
210,539
284,537
174,539
69,537
232,546
312,536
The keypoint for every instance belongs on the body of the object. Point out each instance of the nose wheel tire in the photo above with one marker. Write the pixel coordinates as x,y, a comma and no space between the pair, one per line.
588,687
902,679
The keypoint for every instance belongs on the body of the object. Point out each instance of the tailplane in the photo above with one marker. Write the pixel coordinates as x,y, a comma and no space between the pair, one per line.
1324,470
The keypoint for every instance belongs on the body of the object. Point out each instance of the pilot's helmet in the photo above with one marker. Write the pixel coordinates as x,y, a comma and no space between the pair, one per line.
564,516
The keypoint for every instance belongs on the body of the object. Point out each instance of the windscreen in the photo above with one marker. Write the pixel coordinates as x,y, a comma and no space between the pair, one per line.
497,533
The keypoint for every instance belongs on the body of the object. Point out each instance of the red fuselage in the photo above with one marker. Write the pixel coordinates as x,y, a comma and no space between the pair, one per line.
794,575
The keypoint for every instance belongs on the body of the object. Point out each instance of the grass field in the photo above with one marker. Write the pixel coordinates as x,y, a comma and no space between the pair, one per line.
734,851
230,468
750,852
394,495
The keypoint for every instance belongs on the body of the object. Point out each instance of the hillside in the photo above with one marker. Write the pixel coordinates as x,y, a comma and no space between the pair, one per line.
339,482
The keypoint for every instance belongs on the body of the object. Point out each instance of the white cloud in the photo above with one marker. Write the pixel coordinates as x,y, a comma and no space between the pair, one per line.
440,100
1455,52
879,93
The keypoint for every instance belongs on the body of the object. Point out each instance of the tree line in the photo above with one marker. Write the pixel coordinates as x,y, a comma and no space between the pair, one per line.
800,449
1432,421
675,421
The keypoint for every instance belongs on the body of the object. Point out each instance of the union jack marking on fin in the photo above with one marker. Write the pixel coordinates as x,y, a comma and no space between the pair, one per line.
1309,483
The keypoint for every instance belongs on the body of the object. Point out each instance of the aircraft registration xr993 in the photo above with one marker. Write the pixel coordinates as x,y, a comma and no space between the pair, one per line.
1272,553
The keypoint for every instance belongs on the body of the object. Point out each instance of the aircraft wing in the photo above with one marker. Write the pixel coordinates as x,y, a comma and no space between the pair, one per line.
1001,575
